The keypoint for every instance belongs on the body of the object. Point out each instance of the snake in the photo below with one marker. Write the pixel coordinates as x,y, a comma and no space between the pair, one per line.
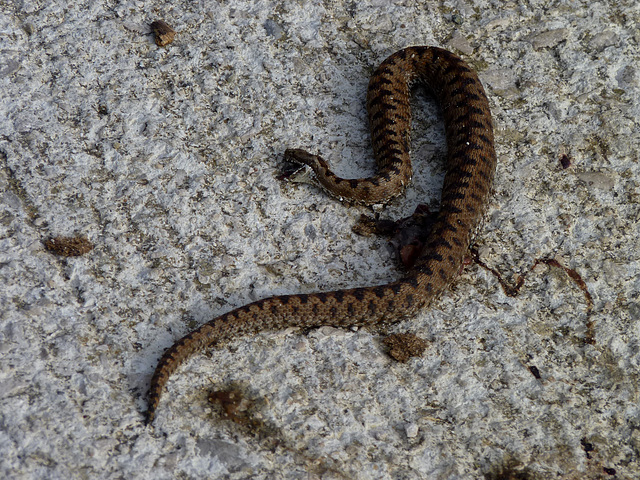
469,175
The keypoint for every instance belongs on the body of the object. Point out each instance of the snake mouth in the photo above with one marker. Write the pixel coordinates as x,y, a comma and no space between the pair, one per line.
295,172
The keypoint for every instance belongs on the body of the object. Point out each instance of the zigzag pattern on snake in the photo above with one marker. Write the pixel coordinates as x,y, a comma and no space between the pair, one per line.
470,169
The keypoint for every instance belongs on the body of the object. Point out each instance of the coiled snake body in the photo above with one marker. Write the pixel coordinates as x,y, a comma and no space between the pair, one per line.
470,168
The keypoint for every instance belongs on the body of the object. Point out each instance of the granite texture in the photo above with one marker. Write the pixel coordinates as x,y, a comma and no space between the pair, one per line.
164,159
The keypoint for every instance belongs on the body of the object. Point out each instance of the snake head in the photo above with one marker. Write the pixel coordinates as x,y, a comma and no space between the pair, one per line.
301,157
297,167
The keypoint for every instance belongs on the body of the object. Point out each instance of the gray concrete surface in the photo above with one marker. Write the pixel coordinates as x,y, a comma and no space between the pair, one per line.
166,158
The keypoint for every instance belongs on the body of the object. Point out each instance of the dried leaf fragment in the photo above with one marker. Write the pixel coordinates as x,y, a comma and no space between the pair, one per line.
234,404
164,33
69,246
403,346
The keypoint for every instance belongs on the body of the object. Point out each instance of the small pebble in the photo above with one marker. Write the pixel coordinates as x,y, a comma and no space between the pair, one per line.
411,429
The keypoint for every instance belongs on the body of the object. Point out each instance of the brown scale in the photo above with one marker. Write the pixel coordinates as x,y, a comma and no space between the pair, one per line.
470,169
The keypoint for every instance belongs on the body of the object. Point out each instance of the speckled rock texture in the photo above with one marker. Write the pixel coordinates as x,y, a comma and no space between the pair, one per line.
164,160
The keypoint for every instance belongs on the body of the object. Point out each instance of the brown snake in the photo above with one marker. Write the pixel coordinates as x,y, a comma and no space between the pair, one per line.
470,169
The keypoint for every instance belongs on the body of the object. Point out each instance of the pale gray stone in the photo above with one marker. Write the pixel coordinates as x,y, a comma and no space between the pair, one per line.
166,160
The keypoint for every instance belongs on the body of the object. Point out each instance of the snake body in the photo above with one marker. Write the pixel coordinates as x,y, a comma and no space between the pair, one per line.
470,169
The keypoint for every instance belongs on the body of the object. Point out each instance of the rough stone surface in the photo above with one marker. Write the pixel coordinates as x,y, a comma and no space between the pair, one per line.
165,159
